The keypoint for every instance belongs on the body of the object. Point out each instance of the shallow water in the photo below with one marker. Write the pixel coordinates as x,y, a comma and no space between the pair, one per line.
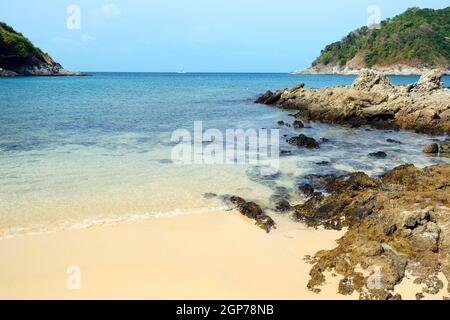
91,150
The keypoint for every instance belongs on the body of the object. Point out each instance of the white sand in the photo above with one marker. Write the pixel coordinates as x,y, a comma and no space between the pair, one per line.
219,255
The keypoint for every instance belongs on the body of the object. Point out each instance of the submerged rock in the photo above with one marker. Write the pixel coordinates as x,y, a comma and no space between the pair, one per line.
304,141
283,206
393,141
378,154
429,81
297,124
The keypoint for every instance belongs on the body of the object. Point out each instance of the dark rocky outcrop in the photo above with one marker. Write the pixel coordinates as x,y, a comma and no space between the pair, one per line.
378,154
253,211
431,148
396,223
303,141
297,124
283,206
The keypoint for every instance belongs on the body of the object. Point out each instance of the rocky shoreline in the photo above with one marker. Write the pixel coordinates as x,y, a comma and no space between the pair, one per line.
372,100
44,71
338,70
397,224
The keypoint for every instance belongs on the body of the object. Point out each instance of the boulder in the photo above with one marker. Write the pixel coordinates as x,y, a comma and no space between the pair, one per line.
304,141
297,124
429,81
378,154
431,148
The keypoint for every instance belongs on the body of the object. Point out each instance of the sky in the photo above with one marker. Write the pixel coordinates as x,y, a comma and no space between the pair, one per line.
192,35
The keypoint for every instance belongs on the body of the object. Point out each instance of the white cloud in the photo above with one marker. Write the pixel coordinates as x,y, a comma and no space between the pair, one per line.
110,10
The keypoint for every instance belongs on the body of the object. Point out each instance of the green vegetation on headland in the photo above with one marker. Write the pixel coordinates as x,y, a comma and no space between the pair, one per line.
15,49
18,56
418,38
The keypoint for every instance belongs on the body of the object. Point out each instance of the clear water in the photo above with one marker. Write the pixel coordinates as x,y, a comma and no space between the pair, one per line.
92,150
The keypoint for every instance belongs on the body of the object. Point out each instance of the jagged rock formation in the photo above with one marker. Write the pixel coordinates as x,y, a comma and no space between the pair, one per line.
372,100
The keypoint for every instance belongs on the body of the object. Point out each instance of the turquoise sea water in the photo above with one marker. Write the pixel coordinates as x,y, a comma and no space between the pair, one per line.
78,151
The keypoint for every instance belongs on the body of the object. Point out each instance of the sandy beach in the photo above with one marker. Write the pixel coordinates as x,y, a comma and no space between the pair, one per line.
219,255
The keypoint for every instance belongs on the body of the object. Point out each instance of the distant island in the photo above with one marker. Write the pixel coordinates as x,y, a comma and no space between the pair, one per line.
19,57
410,43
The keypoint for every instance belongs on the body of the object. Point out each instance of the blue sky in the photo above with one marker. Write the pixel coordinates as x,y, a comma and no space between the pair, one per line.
193,35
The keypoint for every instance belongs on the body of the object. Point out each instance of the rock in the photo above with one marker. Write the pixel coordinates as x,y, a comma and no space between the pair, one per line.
389,231
283,206
415,218
378,154
393,141
323,163
373,100
352,182
368,80
298,124
254,211
273,99
431,148
420,296
237,200
265,222
298,86
346,287
307,190
7,74
304,141
285,152
264,97
444,146
429,81
250,209
395,223
280,123
209,195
